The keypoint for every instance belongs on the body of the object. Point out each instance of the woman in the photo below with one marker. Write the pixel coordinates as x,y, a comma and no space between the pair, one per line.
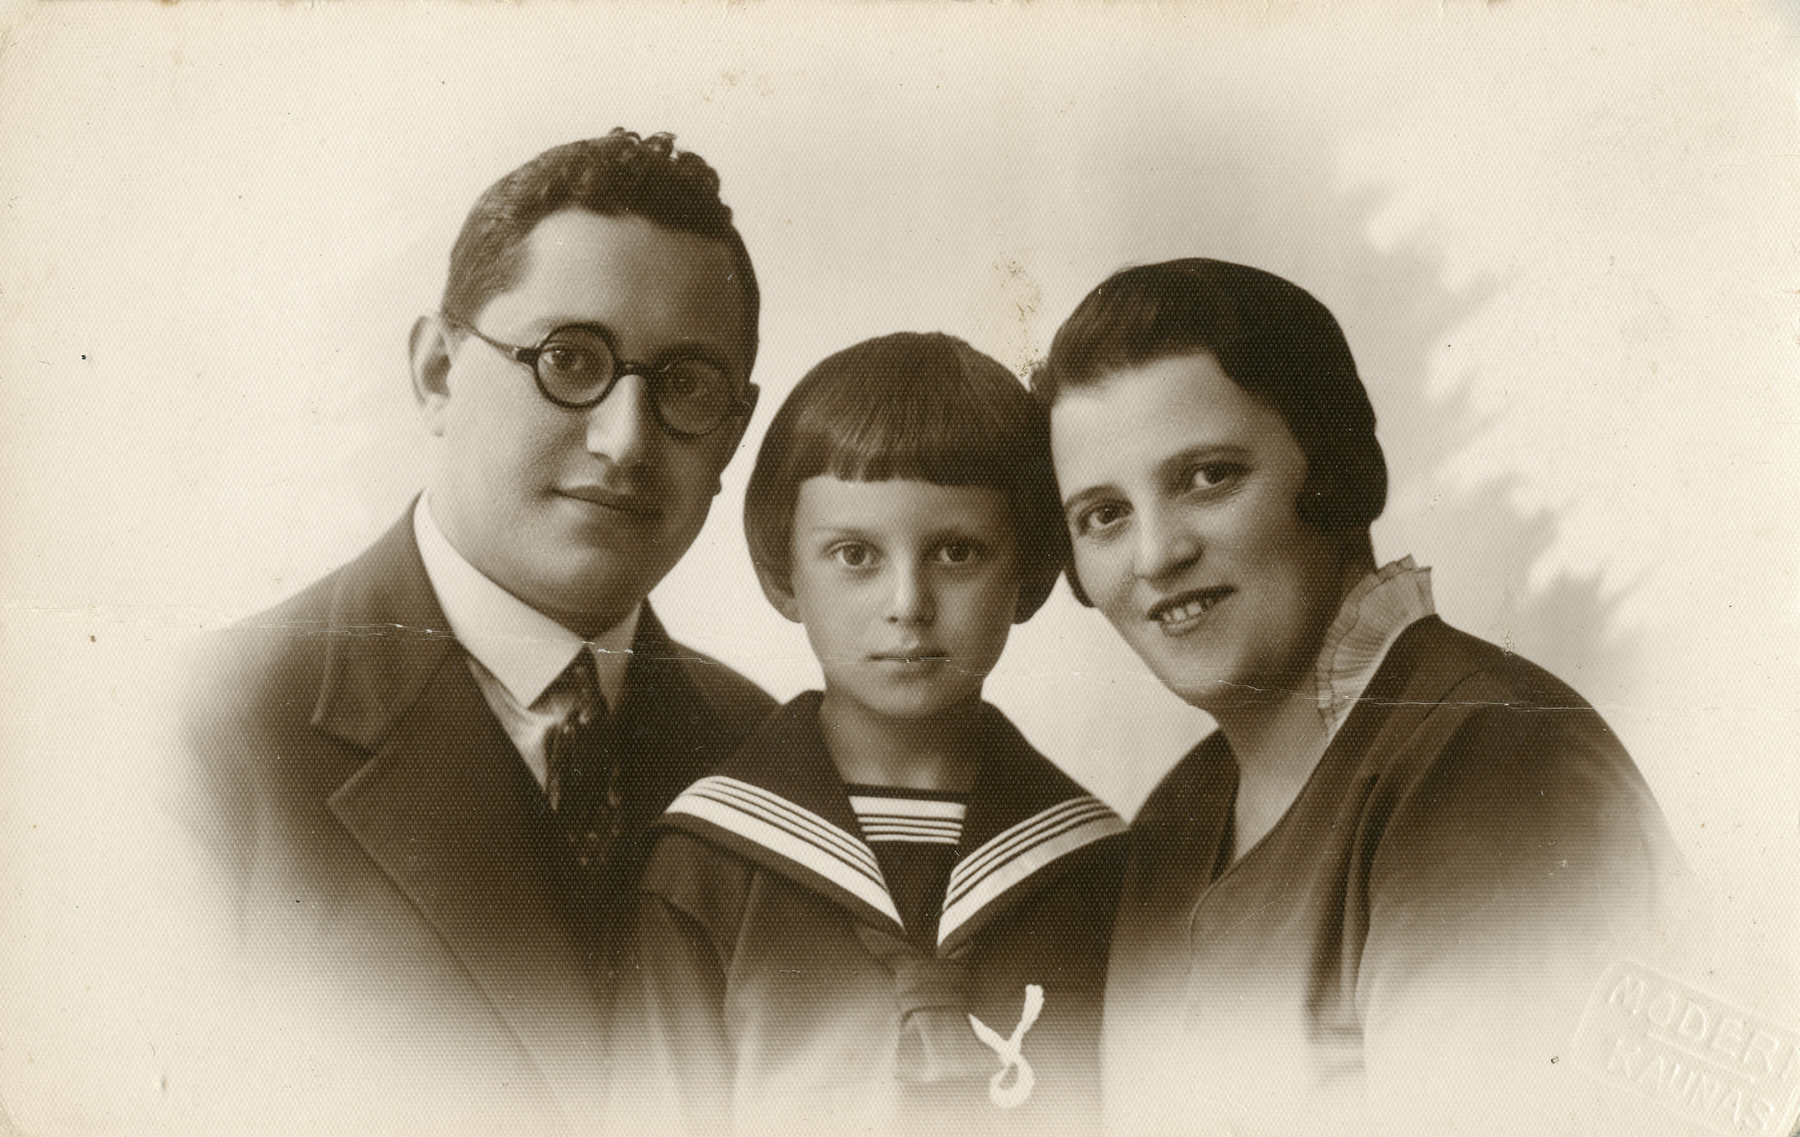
1382,891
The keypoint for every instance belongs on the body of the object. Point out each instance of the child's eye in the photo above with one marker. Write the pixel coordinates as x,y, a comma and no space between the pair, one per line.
853,554
959,553
1211,475
1098,517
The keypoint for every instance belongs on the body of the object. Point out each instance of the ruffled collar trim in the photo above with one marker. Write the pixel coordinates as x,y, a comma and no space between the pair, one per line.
1380,607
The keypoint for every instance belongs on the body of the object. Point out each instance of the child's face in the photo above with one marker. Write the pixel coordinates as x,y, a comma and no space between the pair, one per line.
907,589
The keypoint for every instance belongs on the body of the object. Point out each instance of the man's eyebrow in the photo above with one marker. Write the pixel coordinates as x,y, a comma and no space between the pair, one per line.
557,323
713,351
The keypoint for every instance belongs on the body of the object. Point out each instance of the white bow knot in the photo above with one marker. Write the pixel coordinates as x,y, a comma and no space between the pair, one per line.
1011,1052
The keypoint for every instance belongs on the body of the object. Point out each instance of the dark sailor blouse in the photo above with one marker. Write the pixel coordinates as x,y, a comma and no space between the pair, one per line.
776,988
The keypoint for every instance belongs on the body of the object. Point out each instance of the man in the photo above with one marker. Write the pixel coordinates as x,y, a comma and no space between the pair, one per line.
1377,899
424,779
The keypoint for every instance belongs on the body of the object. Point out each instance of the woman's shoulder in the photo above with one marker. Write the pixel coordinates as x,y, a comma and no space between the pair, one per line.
1457,697
1497,764
1439,666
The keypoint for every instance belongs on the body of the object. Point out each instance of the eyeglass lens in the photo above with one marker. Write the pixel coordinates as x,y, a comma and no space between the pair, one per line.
576,367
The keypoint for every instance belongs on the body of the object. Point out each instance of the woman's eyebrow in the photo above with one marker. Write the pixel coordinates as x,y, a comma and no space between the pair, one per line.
1183,460
1165,469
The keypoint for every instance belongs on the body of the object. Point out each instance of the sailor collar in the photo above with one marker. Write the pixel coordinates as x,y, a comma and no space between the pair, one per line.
780,803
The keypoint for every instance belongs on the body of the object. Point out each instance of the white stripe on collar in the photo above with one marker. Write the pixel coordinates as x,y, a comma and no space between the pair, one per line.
803,837
904,819
984,876
880,830
793,832
909,807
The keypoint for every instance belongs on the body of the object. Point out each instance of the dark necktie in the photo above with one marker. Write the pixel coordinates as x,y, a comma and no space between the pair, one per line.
587,815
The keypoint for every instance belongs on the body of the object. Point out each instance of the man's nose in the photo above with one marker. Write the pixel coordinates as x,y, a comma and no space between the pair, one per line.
912,600
1165,544
622,427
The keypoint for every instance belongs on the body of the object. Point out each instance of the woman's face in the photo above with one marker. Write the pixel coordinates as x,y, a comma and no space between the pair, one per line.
1179,490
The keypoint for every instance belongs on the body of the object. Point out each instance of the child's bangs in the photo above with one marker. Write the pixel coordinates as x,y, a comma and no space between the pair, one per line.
948,442
919,409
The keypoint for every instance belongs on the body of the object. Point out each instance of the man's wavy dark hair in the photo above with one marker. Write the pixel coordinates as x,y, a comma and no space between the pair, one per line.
619,175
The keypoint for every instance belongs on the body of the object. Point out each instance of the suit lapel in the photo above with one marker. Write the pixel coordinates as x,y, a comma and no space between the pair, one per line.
445,805
388,636
445,809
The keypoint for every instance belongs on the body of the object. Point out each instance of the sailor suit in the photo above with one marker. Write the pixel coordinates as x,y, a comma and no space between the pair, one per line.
777,986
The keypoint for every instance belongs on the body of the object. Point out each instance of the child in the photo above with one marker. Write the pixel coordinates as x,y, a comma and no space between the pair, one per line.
887,912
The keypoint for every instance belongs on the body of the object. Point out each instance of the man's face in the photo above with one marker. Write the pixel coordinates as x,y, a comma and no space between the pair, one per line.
1179,490
580,513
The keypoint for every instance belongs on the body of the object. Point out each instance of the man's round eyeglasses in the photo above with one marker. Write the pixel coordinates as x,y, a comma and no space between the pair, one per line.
576,367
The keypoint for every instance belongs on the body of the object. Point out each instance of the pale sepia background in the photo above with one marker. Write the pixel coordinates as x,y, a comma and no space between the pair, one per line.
1564,241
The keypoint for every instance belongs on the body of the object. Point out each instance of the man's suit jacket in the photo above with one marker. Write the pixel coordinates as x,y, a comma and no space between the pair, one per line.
378,844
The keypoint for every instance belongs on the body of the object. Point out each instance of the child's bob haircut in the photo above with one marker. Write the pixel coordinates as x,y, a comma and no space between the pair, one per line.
922,406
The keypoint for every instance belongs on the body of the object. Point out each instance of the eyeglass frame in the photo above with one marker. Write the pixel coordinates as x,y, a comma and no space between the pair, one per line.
743,396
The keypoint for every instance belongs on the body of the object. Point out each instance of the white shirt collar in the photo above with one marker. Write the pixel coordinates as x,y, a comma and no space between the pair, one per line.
523,648
1380,607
